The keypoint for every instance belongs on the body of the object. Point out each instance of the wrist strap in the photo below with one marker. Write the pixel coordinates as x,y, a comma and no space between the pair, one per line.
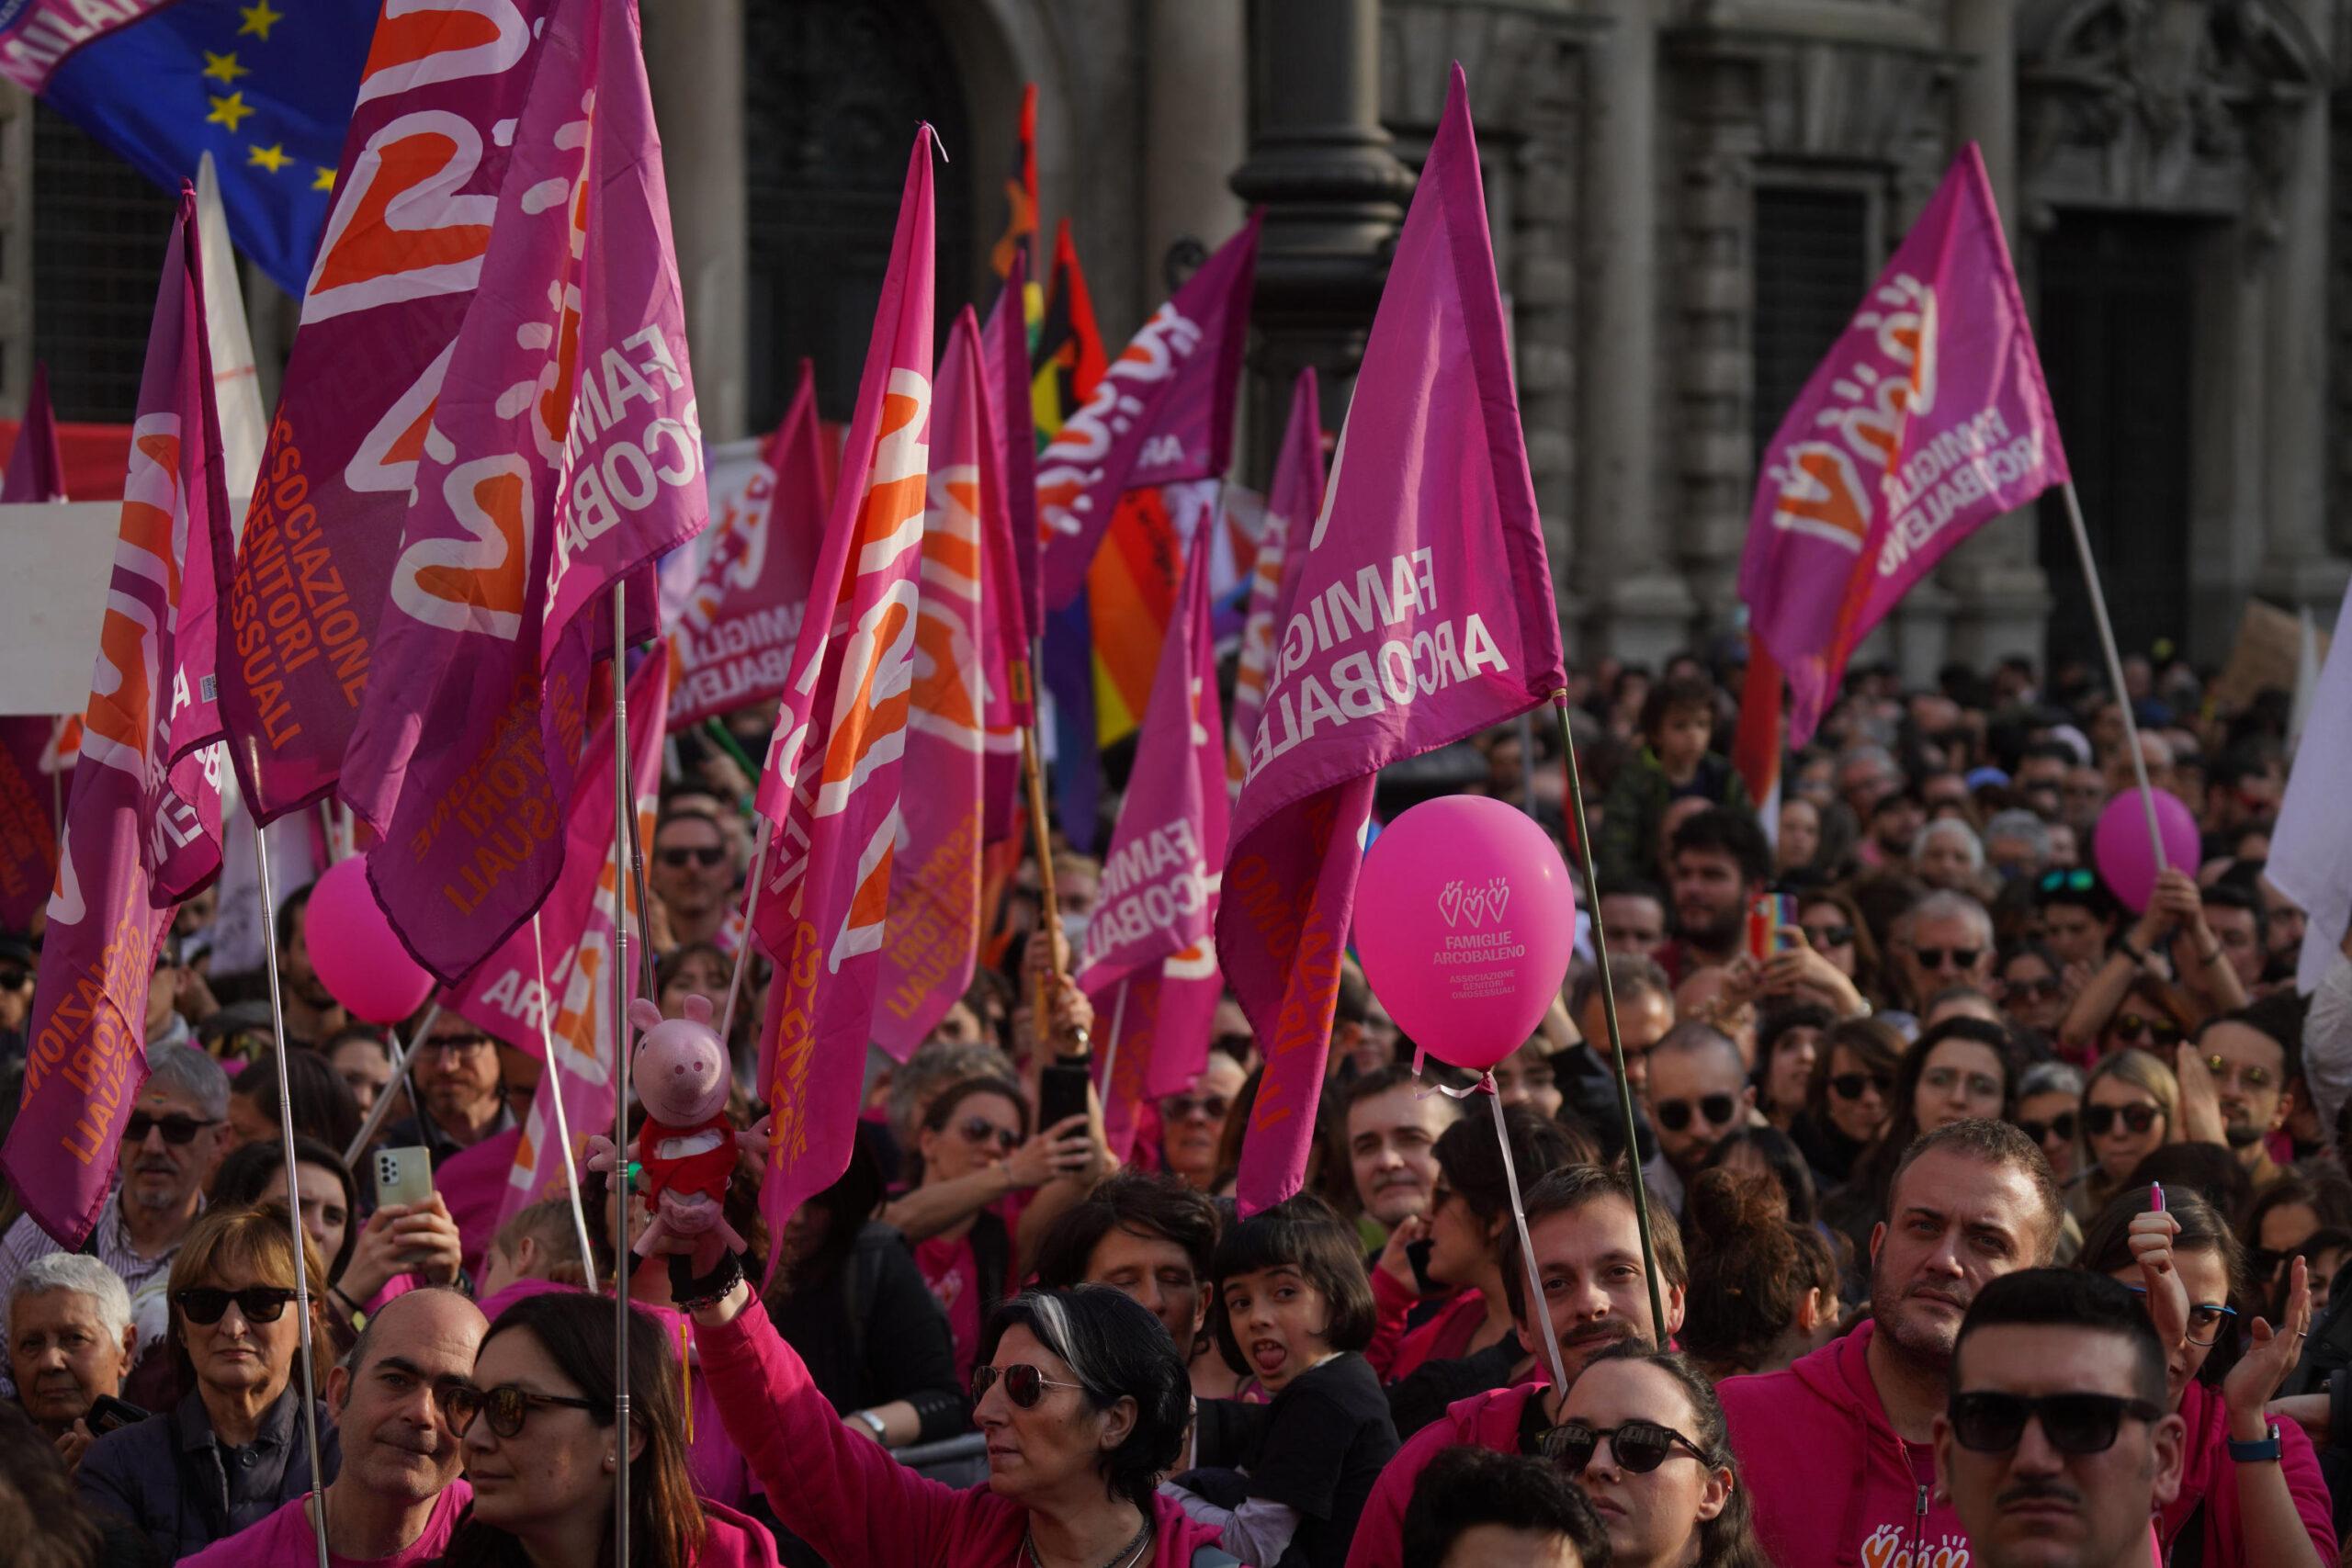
2123,945
2262,1451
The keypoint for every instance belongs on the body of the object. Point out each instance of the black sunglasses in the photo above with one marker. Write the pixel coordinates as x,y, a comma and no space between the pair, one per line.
979,1130
206,1303
2063,1124
178,1129
2098,1121
1640,1446
1850,1086
506,1406
1023,1384
2133,1026
15,979
1674,1115
1989,1423
680,857
1933,957
1176,1107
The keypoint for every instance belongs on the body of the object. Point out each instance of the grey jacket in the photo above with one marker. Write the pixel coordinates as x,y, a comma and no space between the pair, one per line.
172,1477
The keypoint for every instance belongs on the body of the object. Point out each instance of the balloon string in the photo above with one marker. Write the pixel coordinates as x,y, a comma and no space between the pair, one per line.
1485,1084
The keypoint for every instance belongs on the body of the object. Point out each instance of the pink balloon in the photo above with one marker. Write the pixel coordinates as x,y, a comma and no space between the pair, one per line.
1464,922
2122,849
352,946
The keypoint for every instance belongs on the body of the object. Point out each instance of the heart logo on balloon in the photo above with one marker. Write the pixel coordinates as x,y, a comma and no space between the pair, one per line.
1497,894
1449,901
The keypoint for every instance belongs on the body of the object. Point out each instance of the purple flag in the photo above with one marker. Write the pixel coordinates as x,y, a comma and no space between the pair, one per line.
1294,498
36,467
1006,340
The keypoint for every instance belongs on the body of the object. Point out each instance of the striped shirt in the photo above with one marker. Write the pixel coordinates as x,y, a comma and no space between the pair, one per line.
145,1277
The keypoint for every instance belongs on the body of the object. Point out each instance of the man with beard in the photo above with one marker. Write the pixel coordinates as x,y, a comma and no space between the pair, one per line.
1697,1093
170,1146
2256,1059
397,1496
459,1085
312,1012
1837,1450
1587,1245
1719,864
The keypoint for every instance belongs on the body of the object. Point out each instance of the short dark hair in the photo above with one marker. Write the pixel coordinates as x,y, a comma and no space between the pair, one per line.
2279,1016
1677,694
2107,1240
1116,1349
245,1175
1465,1486
323,1106
1997,1144
1304,1234
1472,1159
1719,830
1133,1201
1573,1187
289,912
1636,887
2068,1298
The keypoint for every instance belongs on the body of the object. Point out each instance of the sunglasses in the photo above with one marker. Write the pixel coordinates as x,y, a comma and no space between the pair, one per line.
1852,1085
2062,1124
679,859
178,1130
506,1406
1640,1446
2048,987
1828,936
15,979
206,1303
2133,1026
1176,1107
2076,1424
2076,879
2098,1121
1935,957
2205,1319
1023,1384
2246,1078
979,1131
1715,1109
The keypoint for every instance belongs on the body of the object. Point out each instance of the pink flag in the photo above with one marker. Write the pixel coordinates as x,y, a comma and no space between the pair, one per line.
1163,412
1927,420
1007,337
734,636
143,828
930,941
1158,1038
1296,496
831,785
35,775
1423,613
36,467
563,457
423,165
1015,616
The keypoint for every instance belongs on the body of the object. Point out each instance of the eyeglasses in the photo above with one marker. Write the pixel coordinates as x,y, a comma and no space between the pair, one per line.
2062,1124
2245,1077
506,1406
454,1044
1935,957
1023,1384
1176,1107
679,858
206,1303
2134,1026
2046,988
1640,1446
1943,1080
1852,1085
178,1130
2205,1318
2074,879
2098,1121
1986,1422
1715,1109
1828,936
979,1131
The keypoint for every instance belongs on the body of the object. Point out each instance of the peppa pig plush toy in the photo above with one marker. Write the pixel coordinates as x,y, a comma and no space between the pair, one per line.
687,1145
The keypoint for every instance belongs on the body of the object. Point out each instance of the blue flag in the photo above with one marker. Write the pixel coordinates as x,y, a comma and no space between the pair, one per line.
264,86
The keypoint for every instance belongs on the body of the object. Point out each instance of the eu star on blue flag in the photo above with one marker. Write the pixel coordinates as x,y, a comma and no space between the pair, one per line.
264,86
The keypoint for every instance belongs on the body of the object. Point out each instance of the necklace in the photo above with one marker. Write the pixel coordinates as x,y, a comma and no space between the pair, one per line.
1126,1556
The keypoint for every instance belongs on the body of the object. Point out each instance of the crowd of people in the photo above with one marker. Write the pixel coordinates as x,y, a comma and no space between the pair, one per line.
1965,1216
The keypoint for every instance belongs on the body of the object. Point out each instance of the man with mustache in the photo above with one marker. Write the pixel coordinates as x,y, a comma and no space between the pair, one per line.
1837,1450
1587,1245
1720,863
2070,1486
397,1496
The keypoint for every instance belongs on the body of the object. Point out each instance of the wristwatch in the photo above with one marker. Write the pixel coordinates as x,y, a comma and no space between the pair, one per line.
873,1423
2264,1451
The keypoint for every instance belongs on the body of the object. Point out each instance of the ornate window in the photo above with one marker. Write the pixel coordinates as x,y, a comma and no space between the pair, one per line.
1812,267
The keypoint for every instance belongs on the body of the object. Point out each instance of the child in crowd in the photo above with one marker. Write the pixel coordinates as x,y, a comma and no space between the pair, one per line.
539,1242
1674,764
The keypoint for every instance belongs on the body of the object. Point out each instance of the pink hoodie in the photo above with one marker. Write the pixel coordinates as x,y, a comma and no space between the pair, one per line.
844,1495
1489,1420
1830,1481
2211,1477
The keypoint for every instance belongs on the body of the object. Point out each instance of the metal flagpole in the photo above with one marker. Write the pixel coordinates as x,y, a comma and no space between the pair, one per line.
751,907
562,1120
402,1059
1536,1308
621,808
294,1194
1111,1051
2115,671
647,985
1583,831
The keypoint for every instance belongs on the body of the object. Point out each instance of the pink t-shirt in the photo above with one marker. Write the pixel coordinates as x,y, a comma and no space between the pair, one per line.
953,1276
286,1537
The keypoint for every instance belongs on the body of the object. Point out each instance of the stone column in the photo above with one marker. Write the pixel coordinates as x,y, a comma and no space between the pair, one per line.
2296,566
1334,196
694,64
1197,129
1637,605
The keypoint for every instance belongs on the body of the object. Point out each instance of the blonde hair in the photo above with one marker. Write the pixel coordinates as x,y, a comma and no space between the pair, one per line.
2144,1071
257,1239
548,1223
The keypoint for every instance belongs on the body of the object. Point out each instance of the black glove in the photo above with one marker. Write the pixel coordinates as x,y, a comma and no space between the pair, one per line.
688,1291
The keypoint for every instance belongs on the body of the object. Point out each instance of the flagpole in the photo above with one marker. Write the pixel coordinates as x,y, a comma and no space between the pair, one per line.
1033,754
621,810
751,907
1110,1050
1537,1309
647,985
1581,829
1527,762
2114,669
562,1120
293,1193
381,1113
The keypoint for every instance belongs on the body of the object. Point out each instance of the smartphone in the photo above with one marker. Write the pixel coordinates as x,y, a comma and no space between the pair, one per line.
1061,1090
1416,1253
106,1413
403,1175
1765,919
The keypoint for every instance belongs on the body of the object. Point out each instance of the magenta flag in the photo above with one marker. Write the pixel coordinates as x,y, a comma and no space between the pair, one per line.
1293,501
423,165
1017,605
1423,613
930,939
36,465
1927,419
733,639
563,458
1162,412
1158,1038
1007,337
36,774
831,785
143,827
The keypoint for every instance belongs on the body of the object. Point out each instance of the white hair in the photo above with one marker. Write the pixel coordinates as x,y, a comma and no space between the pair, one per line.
1949,828
80,1275
1945,906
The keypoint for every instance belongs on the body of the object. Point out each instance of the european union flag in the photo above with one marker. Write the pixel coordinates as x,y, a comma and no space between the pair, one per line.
264,86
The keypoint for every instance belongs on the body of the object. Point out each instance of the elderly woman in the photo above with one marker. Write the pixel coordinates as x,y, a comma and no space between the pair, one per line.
234,1450
69,1340
1947,854
1080,1394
